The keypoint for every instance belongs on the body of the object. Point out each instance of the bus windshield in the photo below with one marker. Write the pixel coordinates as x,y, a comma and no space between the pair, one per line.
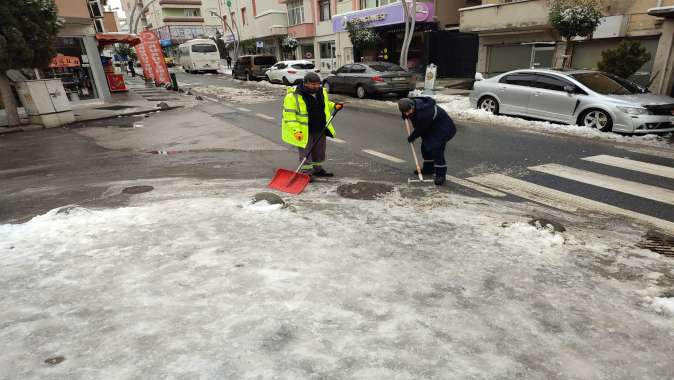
204,48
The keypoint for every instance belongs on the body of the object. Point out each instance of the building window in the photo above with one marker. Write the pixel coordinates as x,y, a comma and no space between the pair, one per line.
295,12
375,3
243,15
192,12
324,9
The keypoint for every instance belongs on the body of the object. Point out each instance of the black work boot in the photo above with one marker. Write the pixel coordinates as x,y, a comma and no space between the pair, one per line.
439,180
323,173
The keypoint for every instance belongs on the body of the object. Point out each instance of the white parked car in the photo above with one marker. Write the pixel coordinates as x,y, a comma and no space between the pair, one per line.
589,98
290,72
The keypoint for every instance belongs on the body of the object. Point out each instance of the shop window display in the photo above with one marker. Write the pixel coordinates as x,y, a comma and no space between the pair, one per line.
72,65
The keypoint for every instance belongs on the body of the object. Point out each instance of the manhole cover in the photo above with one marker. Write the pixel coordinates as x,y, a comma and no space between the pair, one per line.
137,189
658,243
364,190
113,108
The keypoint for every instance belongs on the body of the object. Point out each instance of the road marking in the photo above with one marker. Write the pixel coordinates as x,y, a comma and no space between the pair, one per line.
637,166
649,152
264,116
243,109
210,99
561,200
475,186
624,186
335,139
384,156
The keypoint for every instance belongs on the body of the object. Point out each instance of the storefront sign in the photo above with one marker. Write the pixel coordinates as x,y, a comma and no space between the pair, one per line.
386,15
62,61
155,57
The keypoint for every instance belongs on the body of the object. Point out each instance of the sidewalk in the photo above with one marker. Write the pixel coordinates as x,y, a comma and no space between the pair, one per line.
140,99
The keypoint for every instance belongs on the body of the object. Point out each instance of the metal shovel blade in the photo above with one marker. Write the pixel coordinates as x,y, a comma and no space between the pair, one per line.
289,181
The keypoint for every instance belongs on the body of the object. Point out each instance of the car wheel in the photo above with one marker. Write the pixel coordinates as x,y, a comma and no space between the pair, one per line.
403,94
360,92
326,86
598,119
266,77
488,104
285,81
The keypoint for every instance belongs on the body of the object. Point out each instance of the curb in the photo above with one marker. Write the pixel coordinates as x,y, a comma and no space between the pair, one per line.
27,128
125,114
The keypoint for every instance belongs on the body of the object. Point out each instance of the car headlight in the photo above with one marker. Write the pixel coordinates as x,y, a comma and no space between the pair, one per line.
634,110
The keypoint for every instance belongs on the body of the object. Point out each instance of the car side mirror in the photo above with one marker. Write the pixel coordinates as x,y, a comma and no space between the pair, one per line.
570,89
333,72
479,76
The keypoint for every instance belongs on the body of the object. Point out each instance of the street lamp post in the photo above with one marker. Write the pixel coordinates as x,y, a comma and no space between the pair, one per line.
231,30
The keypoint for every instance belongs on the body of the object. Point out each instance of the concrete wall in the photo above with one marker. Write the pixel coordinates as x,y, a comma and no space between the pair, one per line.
664,60
522,15
447,12
72,8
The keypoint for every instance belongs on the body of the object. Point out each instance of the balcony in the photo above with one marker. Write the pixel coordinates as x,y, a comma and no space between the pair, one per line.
271,23
180,3
516,16
197,19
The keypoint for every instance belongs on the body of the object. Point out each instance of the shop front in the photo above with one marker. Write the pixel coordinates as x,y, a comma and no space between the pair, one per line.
73,66
389,23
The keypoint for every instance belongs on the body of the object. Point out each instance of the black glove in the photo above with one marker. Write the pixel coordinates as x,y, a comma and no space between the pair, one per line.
410,139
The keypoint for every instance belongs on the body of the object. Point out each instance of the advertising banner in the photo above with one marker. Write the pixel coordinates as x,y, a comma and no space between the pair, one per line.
155,57
387,15
144,61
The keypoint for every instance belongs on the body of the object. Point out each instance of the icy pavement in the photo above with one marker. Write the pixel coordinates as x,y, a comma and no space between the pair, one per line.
459,107
260,93
192,281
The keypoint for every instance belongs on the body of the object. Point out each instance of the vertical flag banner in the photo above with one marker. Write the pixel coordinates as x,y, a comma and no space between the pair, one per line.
155,56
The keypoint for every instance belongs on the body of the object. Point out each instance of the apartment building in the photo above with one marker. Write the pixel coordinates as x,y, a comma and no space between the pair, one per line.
518,34
261,22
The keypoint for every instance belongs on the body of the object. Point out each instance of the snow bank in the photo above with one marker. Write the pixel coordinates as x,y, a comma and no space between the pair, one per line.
459,107
663,305
191,280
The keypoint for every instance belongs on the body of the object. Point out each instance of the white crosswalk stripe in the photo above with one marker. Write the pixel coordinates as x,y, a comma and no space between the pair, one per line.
637,166
621,185
384,156
561,200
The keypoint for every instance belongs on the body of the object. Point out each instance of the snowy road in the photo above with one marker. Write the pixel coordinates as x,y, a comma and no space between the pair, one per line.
192,281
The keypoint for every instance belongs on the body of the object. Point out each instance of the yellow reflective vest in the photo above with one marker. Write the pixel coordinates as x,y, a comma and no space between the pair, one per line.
295,124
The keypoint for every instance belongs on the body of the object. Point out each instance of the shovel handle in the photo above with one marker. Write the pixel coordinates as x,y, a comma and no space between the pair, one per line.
338,107
414,152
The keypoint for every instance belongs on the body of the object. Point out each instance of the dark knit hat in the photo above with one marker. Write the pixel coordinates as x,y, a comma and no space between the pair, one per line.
405,104
312,78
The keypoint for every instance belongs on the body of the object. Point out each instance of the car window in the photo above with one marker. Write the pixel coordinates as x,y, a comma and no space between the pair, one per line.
358,69
603,84
303,66
204,48
244,61
344,69
265,60
550,83
519,79
281,66
385,66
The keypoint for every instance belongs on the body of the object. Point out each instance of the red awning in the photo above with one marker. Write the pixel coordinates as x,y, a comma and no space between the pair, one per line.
113,38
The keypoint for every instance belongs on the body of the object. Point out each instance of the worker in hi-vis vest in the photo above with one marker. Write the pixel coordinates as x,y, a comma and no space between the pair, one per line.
306,109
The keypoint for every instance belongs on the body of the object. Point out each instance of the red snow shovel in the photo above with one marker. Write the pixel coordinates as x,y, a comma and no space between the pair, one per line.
295,182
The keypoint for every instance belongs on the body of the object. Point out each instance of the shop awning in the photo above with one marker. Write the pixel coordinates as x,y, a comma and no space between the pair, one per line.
113,38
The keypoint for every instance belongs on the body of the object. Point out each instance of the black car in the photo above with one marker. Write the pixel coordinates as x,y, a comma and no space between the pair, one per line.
370,78
252,67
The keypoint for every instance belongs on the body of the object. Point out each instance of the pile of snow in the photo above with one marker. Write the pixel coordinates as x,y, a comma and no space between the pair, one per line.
192,280
241,95
663,305
459,107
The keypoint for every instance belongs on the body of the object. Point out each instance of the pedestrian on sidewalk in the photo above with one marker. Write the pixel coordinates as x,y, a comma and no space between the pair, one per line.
132,68
435,128
229,62
306,109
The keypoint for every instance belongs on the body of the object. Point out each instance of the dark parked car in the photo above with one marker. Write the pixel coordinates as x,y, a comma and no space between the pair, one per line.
370,78
251,67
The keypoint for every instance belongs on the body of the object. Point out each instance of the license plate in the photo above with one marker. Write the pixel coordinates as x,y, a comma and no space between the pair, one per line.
399,79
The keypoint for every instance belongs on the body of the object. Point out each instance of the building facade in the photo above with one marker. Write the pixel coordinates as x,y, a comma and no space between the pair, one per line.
78,63
518,34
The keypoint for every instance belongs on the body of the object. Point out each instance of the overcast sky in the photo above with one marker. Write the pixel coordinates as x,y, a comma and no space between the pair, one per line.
117,4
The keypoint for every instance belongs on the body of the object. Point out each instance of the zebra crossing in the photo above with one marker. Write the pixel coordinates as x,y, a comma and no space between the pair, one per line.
550,186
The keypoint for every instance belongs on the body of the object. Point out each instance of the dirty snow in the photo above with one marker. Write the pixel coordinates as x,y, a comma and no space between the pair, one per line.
459,107
193,281
241,95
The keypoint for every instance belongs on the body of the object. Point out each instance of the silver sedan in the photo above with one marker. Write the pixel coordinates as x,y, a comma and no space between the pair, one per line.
588,98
